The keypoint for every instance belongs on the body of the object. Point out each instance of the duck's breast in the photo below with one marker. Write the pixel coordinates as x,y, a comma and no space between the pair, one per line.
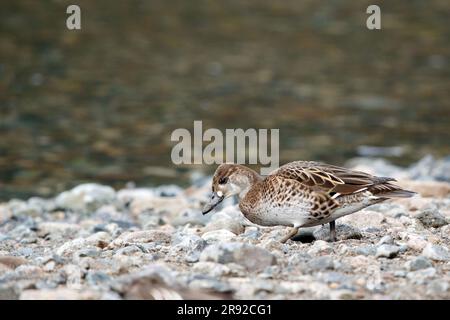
276,201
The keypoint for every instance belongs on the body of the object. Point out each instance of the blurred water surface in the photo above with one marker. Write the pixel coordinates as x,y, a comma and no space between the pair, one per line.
99,104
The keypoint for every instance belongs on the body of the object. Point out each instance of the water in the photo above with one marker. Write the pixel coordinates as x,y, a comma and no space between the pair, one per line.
99,104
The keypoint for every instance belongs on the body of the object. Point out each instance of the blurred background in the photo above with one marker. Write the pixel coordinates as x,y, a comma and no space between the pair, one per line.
100,104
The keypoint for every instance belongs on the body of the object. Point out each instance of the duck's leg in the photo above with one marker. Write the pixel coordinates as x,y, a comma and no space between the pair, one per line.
291,233
333,231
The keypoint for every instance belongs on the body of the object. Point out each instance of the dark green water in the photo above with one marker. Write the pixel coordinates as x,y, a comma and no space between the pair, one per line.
99,104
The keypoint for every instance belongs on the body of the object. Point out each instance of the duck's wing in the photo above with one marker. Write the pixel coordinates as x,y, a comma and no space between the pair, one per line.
328,178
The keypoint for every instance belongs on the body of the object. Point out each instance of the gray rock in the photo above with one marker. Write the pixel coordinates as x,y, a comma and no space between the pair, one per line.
71,246
205,282
438,287
372,230
22,232
8,292
431,217
25,208
335,277
144,236
369,250
419,263
298,259
322,263
99,239
191,244
28,271
86,198
385,240
400,274
387,251
87,252
429,168
259,286
221,235
226,223
51,282
252,257
73,275
49,266
150,219
421,276
343,232
130,250
251,233
320,247
212,268
269,272
57,229
157,272
95,278
436,252
26,251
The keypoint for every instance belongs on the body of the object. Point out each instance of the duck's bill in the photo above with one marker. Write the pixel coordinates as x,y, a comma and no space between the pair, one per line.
213,202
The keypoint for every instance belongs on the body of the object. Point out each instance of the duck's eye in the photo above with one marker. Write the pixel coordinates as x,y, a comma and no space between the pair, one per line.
223,180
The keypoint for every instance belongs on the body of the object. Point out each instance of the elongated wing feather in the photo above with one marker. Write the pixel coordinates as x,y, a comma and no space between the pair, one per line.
328,178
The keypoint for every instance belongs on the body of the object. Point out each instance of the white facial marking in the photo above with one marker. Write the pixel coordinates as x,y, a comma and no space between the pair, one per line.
220,193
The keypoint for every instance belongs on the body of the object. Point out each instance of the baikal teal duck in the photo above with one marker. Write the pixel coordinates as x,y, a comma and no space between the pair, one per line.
300,194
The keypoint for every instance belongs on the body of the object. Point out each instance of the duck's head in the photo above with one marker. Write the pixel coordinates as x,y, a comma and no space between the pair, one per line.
230,180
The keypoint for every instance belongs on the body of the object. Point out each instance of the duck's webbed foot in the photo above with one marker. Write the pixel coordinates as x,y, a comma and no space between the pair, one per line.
333,231
291,233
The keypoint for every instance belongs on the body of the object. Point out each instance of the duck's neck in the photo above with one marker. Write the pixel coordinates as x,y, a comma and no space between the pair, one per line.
249,179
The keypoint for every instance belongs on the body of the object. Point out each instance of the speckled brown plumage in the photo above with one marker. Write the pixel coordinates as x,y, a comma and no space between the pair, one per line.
302,193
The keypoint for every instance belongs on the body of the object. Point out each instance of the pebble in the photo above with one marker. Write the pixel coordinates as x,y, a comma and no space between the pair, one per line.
221,235
249,256
212,268
191,244
343,232
71,246
141,237
322,263
418,263
225,224
385,240
421,276
436,252
438,287
431,218
320,247
369,250
387,251
251,233
86,198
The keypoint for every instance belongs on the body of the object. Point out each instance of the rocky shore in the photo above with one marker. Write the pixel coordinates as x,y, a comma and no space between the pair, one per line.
94,242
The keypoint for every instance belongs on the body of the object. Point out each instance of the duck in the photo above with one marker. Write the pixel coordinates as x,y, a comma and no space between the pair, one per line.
300,194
